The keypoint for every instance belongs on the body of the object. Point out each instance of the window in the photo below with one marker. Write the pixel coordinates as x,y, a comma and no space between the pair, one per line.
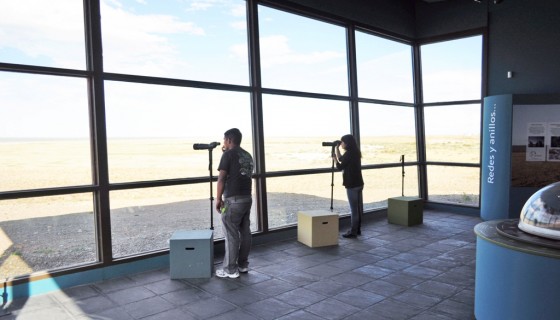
457,185
43,33
143,220
311,61
452,70
295,128
67,221
151,129
453,133
185,40
289,195
387,132
382,184
44,132
384,69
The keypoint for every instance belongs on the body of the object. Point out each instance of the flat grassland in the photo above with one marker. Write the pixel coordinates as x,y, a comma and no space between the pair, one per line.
45,233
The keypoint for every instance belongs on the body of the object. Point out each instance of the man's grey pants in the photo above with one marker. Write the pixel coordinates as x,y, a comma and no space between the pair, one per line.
237,232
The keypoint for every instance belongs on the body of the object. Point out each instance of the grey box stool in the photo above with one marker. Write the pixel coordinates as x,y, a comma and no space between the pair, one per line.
191,254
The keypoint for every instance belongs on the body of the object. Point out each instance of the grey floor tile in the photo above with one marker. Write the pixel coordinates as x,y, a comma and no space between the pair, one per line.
383,288
166,285
217,285
300,315
252,277
269,309
347,264
299,278
300,297
236,314
352,278
429,315
243,296
173,314
393,264
403,279
359,298
150,276
465,296
323,271
383,252
437,289
113,313
91,305
207,308
185,296
115,284
148,307
273,287
332,309
75,293
421,272
328,287
130,295
390,309
455,310
374,271
417,299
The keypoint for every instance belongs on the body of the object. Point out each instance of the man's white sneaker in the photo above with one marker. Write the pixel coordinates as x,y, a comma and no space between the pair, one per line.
243,270
221,273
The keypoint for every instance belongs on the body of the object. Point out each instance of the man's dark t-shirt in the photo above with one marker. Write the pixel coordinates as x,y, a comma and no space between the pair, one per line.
238,164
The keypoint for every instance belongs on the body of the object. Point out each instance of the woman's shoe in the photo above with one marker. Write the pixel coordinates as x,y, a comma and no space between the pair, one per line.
349,234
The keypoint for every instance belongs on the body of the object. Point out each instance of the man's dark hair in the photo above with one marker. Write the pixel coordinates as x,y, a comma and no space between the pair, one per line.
235,135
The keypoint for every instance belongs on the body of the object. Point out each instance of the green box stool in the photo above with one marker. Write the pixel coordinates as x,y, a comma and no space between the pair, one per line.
405,211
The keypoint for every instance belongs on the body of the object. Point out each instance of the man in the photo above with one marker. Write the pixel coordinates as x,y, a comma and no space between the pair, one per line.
234,185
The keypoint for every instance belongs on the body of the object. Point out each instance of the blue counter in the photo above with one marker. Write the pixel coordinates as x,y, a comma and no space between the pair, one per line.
514,279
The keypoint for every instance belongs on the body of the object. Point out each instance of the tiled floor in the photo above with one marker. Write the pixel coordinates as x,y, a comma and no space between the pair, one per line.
390,272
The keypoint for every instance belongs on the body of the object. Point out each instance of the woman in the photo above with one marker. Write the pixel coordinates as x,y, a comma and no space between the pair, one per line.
351,165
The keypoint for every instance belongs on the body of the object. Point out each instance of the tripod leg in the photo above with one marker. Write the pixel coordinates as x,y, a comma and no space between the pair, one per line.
332,184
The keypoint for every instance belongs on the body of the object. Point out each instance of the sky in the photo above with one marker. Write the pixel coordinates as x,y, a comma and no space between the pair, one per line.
206,40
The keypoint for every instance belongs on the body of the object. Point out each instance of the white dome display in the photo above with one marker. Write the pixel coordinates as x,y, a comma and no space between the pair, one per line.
541,213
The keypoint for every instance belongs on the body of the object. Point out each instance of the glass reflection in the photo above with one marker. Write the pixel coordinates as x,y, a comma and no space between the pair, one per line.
541,213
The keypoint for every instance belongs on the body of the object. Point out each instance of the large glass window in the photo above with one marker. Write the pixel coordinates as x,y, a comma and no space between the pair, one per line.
458,185
143,220
382,184
387,132
295,129
44,132
152,129
384,68
453,133
289,195
452,70
313,60
177,39
46,233
43,33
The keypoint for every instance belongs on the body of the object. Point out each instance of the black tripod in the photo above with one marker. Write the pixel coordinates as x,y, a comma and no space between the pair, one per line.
402,163
332,176
210,147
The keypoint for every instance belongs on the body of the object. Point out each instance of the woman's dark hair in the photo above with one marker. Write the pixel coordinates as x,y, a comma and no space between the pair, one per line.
351,145
235,135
